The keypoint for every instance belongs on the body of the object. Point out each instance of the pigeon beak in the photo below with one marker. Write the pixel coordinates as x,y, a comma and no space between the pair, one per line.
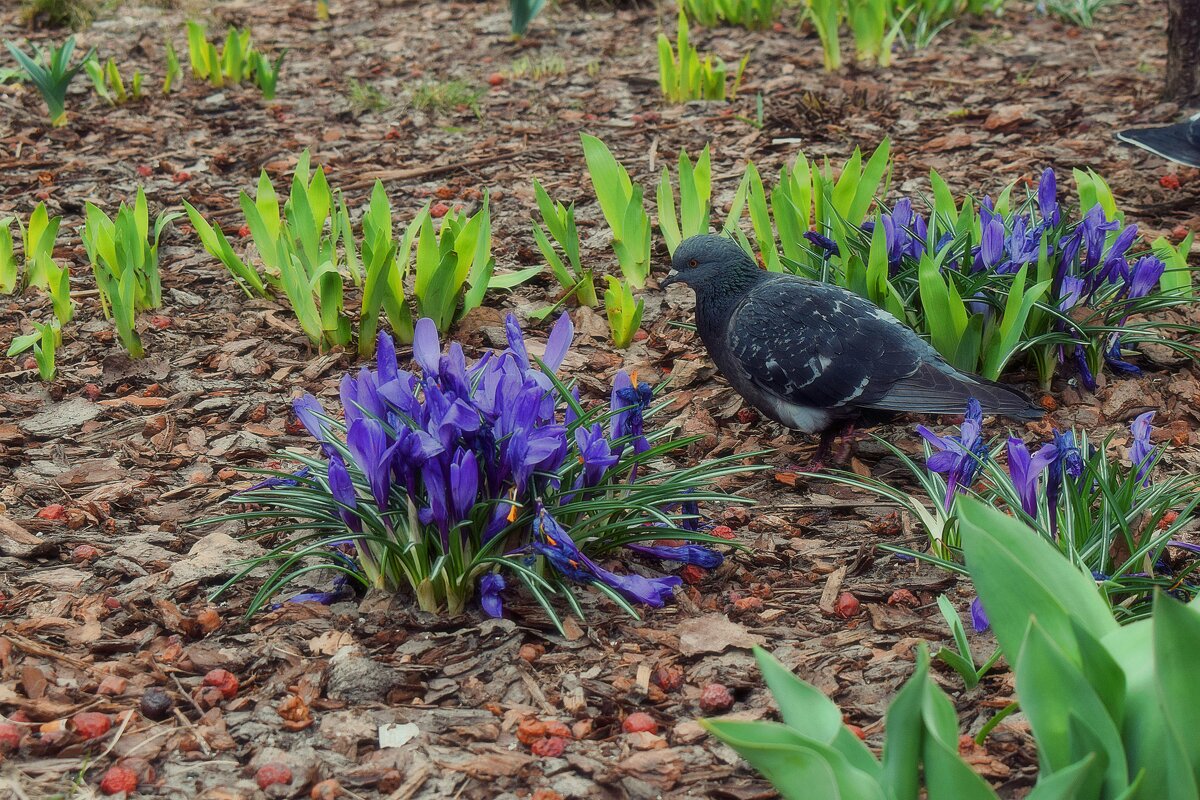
672,277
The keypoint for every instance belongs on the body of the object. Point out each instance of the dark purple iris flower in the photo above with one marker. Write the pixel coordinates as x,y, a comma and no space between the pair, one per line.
979,618
342,489
630,405
595,453
552,541
685,554
1067,462
1047,197
1141,452
1145,276
490,587
276,481
960,457
1115,359
367,442
312,416
824,243
1026,469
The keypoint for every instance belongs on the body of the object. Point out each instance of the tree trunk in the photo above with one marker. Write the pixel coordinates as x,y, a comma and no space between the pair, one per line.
1183,50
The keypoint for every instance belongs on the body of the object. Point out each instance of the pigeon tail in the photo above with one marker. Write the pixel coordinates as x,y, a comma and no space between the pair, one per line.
1179,143
940,389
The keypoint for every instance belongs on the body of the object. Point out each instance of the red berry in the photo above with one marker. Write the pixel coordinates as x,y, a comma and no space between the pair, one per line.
119,779
144,171
723,532
715,699
1169,181
181,176
552,747
91,724
55,511
1179,233
495,79
639,721
668,678
244,231
84,552
271,774
224,680
846,605
556,728
10,737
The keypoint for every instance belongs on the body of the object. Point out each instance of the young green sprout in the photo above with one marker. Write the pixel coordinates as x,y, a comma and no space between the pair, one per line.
623,311
559,221
695,193
44,342
110,85
124,258
683,77
51,73
621,203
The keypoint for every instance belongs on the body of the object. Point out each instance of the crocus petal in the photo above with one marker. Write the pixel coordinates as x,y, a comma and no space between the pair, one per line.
385,358
649,591
310,413
490,587
979,619
685,554
427,350
516,340
559,342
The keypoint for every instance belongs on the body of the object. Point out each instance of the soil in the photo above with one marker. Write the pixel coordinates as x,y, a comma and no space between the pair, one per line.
105,588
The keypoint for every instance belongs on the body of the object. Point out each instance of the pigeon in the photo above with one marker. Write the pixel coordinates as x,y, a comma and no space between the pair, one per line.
1179,143
811,355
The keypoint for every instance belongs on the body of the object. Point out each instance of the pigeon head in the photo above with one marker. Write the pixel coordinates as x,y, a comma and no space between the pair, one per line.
704,261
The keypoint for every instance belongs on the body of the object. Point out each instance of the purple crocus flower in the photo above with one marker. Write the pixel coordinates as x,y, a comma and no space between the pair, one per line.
1085,372
824,243
958,457
979,618
991,245
367,442
490,587
1095,229
427,349
1071,292
1145,276
342,489
1026,469
1113,357
342,590
1141,452
1116,268
630,404
685,554
276,481
1047,197
1067,461
464,484
595,454
552,541
312,416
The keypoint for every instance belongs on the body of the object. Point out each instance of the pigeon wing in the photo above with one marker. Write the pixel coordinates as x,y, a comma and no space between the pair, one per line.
819,346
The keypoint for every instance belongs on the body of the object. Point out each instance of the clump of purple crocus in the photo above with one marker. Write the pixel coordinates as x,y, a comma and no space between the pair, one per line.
453,479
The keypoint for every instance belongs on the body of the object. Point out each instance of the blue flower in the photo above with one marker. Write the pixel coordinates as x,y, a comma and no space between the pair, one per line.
490,587
1025,471
367,442
629,404
342,489
979,618
1047,197
685,554
824,243
958,457
1141,452
1145,276
552,541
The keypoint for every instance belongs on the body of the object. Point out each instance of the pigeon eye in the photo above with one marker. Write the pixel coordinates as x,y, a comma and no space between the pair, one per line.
693,263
